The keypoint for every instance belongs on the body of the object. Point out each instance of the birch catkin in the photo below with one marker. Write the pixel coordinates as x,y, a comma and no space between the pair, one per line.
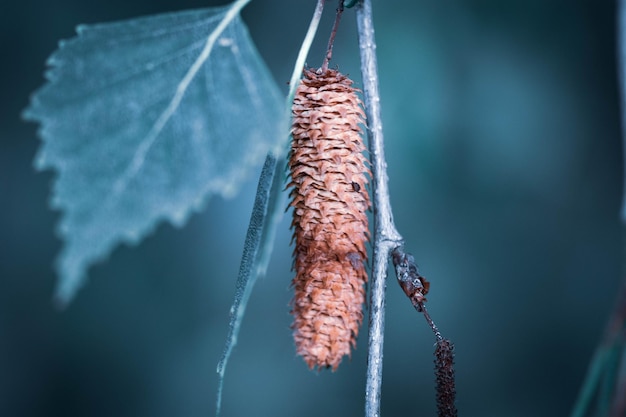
330,200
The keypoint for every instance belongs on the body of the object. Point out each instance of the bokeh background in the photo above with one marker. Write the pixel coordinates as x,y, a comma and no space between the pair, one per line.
505,167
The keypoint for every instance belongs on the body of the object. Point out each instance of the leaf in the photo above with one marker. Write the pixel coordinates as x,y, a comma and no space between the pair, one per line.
143,120
259,239
267,211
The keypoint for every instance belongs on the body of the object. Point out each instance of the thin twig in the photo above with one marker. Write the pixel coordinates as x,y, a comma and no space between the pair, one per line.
331,40
386,237
602,391
430,322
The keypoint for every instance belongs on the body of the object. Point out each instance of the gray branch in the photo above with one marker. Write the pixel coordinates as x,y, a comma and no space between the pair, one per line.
386,237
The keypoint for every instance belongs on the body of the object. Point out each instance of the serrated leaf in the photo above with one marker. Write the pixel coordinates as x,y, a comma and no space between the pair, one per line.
258,244
267,211
144,119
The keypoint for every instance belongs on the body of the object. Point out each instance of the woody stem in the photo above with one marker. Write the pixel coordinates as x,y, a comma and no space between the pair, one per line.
386,237
331,40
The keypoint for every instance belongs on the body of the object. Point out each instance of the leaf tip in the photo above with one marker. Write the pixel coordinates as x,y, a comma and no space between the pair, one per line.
71,274
80,29
59,302
62,296
27,114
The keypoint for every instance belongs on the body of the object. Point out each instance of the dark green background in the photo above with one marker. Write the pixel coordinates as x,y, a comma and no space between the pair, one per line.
503,143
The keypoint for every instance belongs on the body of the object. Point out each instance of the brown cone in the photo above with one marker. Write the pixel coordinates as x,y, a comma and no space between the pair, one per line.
330,200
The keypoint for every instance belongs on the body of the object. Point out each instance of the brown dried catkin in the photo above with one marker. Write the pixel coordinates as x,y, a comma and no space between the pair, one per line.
329,197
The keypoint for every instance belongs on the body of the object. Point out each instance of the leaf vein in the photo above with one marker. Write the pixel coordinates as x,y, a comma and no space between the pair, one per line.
140,155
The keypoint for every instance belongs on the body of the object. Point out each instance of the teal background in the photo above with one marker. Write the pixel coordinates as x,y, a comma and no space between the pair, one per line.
505,171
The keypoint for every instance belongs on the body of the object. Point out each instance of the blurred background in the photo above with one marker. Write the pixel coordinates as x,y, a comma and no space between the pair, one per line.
505,169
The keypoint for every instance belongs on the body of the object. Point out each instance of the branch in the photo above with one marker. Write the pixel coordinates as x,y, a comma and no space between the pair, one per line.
386,237
388,242
603,388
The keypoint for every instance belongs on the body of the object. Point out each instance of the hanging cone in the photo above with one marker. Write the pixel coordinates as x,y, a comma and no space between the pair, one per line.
329,177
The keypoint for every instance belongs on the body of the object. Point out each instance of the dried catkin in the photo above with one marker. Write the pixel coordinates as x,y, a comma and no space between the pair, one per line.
329,176
444,371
